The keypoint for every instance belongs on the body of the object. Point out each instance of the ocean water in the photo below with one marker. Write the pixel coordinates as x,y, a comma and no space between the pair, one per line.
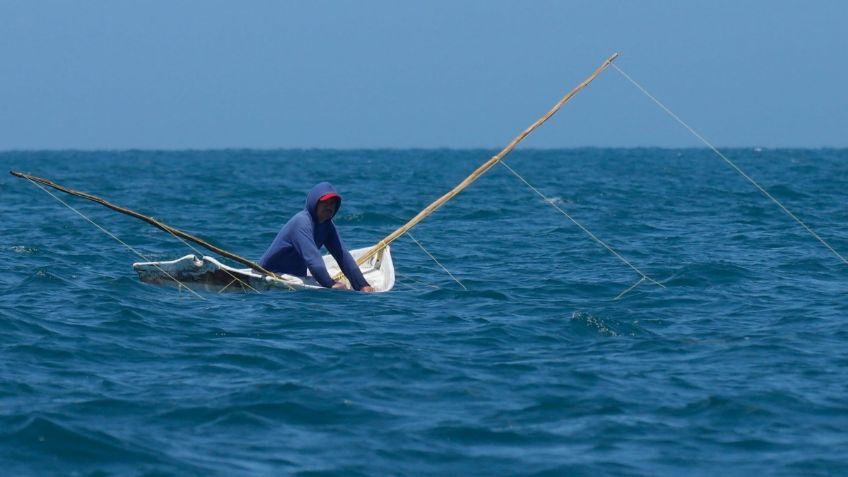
738,366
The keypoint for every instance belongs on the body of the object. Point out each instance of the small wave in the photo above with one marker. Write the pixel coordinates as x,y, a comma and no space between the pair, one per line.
550,407
73,444
24,249
720,406
466,434
24,323
103,406
42,278
786,191
597,468
593,323
272,413
249,360
606,326
831,465
42,352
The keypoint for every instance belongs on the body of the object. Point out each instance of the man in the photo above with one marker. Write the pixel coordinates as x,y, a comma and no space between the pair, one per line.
296,247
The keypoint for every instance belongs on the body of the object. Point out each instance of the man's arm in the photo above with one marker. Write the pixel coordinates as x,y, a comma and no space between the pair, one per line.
346,262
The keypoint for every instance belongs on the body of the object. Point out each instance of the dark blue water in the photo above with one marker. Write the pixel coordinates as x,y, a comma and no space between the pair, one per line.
739,365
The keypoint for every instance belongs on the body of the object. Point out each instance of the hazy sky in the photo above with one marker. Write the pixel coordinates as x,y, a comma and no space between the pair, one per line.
336,74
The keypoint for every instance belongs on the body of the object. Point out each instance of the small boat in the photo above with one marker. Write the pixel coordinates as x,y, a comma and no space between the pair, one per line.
208,274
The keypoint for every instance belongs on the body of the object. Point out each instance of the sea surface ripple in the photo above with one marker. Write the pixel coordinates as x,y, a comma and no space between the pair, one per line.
739,365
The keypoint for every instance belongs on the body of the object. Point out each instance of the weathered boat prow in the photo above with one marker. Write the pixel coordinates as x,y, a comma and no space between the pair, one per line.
208,274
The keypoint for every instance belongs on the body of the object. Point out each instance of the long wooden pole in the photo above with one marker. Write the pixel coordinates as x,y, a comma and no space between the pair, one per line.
480,170
149,220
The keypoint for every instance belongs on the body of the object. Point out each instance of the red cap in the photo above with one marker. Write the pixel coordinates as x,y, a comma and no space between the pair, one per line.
328,196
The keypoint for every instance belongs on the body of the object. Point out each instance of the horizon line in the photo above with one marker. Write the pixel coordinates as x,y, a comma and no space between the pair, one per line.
414,148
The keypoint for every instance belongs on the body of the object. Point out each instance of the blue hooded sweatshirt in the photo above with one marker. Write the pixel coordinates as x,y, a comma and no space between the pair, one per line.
296,247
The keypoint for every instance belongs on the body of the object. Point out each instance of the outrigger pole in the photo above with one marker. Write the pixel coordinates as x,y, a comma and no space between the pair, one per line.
149,220
382,244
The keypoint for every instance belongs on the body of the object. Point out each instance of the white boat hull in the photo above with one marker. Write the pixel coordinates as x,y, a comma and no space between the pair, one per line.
208,274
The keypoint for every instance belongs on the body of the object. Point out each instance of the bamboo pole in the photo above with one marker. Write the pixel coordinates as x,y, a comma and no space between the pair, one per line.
149,220
480,170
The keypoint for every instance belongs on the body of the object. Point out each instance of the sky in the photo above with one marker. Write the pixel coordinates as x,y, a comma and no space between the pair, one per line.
206,74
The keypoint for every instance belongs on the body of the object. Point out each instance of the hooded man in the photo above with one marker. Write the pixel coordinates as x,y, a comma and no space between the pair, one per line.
296,247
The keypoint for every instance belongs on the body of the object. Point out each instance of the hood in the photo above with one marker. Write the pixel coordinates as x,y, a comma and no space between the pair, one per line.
316,193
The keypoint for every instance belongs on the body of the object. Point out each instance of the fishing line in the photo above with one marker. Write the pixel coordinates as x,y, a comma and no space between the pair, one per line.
228,286
584,229
240,282
179,285
437,262
732,164
632,287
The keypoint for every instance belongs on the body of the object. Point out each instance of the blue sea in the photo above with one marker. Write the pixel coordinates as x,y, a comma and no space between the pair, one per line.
739,366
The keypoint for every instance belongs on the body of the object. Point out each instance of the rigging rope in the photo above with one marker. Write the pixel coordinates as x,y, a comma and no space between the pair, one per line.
587,231
632,287
731,163
438,262
180,286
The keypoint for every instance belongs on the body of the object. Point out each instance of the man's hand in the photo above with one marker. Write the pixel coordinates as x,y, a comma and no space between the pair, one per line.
339,285
367,289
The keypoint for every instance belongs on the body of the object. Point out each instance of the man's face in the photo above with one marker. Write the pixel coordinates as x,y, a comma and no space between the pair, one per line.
325,210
